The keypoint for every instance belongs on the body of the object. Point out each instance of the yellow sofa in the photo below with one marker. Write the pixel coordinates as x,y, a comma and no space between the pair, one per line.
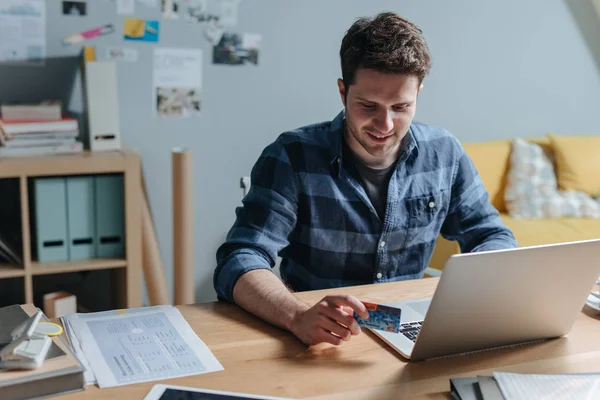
492,162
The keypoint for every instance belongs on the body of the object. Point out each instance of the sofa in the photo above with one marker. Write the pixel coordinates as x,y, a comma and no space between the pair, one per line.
492,160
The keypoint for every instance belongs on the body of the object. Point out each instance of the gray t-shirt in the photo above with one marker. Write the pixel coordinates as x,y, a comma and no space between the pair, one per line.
374,181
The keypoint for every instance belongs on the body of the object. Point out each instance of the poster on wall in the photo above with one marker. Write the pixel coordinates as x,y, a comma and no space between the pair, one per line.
229,12
237,49
23,32
74,8
141,30
169,9
177,82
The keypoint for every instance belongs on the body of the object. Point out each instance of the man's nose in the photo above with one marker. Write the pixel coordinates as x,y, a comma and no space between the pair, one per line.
384,121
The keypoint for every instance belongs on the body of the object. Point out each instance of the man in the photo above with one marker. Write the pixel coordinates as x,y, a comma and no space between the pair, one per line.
357,200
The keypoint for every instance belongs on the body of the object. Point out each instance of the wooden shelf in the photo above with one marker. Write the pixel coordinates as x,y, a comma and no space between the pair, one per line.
66,164
11,271
75,266
127,277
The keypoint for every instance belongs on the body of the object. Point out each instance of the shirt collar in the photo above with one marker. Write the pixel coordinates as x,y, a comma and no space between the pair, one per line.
336,134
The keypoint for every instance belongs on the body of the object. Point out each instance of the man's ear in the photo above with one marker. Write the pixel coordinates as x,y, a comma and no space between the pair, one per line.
420,88
342,90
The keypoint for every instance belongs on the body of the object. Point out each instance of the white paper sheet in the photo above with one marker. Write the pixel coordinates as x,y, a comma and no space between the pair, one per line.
122,54
534,387
125,7
23,31
229,12
88,374
177,82
141,345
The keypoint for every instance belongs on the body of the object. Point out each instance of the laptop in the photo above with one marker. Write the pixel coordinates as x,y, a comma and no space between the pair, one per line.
498,298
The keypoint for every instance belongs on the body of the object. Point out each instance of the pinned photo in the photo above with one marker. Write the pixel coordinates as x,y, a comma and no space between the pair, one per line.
197,11
177,102
77,8
170,9
237,49
140,30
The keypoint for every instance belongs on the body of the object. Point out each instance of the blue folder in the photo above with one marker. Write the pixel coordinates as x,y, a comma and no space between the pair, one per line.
110,223
51,219
81,217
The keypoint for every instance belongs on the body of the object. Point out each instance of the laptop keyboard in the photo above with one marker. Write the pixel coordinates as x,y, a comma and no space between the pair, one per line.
411,329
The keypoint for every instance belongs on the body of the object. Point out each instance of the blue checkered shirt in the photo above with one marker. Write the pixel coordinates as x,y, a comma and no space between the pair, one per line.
307,206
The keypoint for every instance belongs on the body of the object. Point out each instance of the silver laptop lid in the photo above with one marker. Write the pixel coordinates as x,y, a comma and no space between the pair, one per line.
504,297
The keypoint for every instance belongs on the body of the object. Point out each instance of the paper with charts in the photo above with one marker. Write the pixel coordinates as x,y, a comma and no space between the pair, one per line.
124,347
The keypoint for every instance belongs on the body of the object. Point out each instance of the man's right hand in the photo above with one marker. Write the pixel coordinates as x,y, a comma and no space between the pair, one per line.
331,321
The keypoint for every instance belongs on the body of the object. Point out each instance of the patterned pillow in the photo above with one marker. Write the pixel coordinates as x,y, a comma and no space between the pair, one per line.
532,190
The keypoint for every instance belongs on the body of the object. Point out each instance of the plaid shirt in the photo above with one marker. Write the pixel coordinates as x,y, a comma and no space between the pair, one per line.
306,205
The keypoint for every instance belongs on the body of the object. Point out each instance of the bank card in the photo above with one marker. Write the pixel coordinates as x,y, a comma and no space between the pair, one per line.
381,317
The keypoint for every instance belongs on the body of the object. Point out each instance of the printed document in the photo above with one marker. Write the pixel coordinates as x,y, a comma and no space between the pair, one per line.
139,345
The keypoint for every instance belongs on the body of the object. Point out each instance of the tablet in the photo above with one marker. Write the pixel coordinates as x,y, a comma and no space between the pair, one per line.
170,392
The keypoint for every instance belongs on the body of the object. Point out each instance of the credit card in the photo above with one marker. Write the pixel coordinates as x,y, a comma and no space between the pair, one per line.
381,317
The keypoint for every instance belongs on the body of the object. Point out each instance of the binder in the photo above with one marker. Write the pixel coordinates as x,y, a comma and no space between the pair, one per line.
102,104
51,219
110,224
81,221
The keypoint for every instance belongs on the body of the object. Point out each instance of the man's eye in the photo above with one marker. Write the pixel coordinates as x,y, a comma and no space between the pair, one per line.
368,106
401,108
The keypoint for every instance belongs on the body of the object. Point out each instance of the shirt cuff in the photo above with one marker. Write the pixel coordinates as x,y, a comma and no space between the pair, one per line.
231,268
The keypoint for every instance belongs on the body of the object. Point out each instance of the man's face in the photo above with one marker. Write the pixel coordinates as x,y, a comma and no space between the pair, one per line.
379,110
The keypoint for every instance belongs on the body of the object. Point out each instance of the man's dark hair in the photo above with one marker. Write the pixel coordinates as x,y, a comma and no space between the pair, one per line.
386,43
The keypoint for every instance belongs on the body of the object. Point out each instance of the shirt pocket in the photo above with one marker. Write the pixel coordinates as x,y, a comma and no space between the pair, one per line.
424,216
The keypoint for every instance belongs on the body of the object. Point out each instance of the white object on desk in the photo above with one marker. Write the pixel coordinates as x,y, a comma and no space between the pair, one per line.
28,349
124,347
535,386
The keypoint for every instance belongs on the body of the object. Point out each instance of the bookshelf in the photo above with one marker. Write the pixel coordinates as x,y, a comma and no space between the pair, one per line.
127,272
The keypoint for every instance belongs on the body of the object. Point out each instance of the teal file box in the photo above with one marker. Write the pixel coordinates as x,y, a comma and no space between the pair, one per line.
110,223
50,219
81,217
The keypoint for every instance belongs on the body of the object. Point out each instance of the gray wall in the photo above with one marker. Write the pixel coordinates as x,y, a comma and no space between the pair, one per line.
500,69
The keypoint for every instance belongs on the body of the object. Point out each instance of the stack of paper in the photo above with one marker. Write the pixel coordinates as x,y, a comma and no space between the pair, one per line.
510,386
532,386
122,347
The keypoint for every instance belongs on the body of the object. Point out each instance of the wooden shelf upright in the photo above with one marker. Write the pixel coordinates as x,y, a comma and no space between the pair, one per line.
127,271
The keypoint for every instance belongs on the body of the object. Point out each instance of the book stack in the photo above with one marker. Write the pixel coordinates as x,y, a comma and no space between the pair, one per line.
37,129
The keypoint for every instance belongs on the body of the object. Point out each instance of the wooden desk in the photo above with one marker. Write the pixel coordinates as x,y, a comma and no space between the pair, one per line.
261,359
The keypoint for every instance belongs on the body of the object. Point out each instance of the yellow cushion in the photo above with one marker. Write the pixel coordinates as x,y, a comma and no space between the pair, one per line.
577,162
491,161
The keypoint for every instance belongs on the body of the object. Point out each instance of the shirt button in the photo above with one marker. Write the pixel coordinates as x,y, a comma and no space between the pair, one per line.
379,275
431,204
382,243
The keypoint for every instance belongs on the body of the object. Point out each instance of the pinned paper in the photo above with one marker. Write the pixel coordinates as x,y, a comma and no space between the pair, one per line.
237,49
177,82
229,12
149,3
122,54
170,9
214,32
140,30
125,7
197,11
78,8
80,37
22,32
